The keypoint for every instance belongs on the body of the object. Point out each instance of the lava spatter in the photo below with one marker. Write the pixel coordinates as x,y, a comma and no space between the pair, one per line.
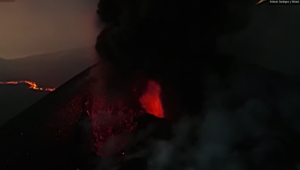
110,120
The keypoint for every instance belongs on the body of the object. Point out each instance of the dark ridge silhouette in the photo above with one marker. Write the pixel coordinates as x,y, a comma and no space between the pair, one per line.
44,135
15,99
51,134
40,68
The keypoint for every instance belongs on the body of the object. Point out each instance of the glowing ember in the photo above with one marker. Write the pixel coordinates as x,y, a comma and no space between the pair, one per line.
32,85
111,121
151,101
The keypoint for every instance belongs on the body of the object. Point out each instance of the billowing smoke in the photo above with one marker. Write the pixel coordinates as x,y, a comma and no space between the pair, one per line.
258,133
223,113
168,42
252,124
269,39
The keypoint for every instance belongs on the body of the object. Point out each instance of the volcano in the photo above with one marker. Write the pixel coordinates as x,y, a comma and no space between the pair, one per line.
70,127
54,133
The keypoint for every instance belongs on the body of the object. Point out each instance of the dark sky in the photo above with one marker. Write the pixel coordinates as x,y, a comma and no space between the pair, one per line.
271,39
40,26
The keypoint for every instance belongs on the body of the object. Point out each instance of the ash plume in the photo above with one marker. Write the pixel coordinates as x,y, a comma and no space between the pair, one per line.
169,42
220,112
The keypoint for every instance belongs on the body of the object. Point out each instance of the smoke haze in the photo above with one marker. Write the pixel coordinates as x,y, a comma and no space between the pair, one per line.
250,124
271,38
235,139
31,27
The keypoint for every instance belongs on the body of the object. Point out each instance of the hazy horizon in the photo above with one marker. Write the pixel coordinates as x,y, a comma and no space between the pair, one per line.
34,27
49,70
48,53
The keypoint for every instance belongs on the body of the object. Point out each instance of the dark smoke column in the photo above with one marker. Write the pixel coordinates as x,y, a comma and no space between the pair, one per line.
171,42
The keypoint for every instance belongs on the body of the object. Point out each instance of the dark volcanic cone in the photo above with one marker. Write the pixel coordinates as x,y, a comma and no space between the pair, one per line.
61,130
44,136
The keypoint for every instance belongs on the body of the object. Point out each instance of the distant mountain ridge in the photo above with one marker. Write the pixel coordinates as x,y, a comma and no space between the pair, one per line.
51,69
47,70
7,69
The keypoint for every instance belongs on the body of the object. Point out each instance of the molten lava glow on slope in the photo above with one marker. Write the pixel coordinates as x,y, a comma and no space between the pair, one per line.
110,120
151,101
31,85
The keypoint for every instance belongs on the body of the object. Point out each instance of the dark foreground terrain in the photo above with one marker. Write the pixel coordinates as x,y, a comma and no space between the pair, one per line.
43,136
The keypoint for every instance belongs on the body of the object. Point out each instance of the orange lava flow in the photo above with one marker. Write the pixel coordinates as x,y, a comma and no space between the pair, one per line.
151,101
32,85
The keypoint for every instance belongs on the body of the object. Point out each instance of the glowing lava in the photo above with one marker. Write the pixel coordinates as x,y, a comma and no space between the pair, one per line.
151,101
113,121
32,85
